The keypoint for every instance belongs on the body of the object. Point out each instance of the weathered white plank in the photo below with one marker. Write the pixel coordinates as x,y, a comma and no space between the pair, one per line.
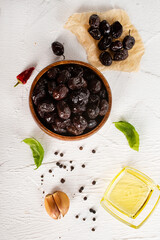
27,30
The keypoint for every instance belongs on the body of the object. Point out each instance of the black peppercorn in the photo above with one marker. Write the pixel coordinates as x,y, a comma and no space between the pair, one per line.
62,180
72,168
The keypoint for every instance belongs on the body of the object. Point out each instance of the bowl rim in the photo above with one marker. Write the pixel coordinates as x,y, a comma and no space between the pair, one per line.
62,137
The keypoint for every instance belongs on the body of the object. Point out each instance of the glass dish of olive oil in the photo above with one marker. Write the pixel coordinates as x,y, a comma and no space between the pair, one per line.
131,197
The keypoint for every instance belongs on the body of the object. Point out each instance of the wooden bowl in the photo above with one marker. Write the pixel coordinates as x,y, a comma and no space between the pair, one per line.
56,135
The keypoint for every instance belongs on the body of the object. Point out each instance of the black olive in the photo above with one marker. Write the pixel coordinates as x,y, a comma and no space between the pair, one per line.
57,48
116,29
105,58
121,55
94,21
117,45
104,43
95,33
128,42
104,28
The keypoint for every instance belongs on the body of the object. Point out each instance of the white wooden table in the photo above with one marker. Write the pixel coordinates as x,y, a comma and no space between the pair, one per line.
27,29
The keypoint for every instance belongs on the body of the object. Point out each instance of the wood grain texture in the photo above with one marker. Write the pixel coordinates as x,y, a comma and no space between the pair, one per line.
27,30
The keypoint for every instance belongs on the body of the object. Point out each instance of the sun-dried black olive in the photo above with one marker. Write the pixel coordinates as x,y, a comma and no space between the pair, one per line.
103,93
64,110
94,21
51,86
128,42
116,29
78,108
92,111
121,55
63,76
57,48
46,106
52,73
92,124
60,123
60,92
95,33
58,129
80,96
75,83
94,98
103,107
50,117
104,28
104,43
73,130
95,85
38,95
76,71
117,45
105,58
80,123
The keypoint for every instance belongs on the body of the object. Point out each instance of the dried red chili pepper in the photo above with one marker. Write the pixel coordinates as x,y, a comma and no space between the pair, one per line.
24,76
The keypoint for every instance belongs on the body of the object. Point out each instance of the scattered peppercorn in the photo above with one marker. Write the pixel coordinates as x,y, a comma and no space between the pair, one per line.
70,161
64,166
84,219
41,183
93,229
94,182
41,180
83,165
61,165
91,209
81,189
94,219
42,176
72,168
56,153
53,175
57,163
93,151
62,180
61,154
85,198
77,216
50,171
43,192
80,148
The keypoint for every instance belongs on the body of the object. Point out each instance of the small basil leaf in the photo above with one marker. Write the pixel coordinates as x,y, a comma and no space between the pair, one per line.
130,132
37,150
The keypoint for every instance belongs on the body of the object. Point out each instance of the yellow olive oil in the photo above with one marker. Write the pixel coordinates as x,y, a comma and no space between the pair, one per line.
129,193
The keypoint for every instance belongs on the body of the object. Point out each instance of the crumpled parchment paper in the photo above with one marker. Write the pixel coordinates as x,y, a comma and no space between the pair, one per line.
78,24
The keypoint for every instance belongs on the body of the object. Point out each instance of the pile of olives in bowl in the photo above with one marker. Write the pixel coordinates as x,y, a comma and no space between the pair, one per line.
106,33
70,99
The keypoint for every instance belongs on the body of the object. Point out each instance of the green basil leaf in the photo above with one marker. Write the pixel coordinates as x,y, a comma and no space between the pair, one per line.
130,132
37,150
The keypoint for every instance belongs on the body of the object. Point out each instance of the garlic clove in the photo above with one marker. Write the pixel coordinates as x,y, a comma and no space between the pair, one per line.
62,202
51,207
